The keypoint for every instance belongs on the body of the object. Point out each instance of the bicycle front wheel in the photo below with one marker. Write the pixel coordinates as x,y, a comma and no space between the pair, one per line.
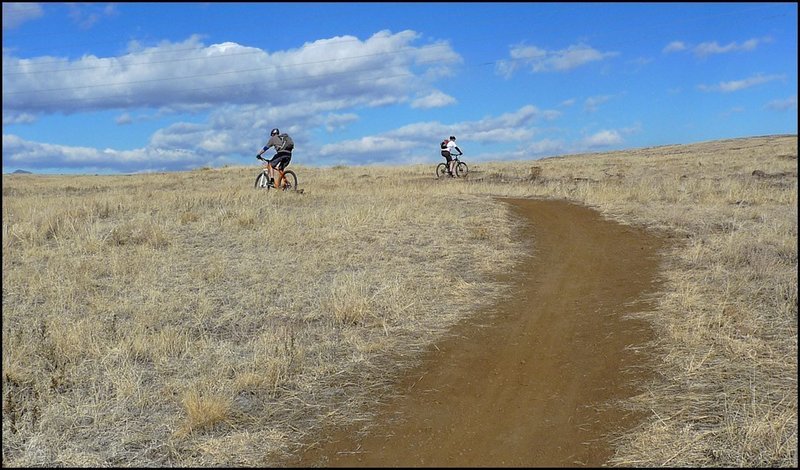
441,170
462,169
262,181
289,181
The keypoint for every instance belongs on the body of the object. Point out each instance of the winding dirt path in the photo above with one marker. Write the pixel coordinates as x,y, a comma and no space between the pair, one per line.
535,384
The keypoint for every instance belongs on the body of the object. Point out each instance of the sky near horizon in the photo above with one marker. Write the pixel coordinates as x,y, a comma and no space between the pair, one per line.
114,88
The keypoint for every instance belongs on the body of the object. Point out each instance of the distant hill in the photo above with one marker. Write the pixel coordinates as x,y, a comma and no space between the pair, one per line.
21,172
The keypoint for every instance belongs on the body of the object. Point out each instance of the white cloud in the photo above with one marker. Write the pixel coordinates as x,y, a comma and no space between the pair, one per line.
592,104
384,68
437,99
124,119
674,46
737,85
604,138
335,122
633,129
85,15
540,60
709,48
551,115
418,142
782,105
570,58
14,14
18,118
34,156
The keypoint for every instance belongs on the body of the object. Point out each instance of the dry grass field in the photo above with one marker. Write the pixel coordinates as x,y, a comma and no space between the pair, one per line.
186,319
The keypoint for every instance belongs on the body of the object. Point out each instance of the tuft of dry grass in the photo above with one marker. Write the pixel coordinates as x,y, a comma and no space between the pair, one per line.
186,319
203,411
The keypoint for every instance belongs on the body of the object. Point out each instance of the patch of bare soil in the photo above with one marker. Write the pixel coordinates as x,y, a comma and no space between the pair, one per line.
535,381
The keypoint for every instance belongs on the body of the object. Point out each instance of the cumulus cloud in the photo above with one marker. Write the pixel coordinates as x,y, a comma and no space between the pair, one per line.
737,85
14,14
18,118
228,133
384,68
437,99
541,60
418,142
236,130
603,138
335,122
33,156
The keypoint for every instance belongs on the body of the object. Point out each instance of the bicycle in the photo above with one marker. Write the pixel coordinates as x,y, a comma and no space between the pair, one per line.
462,169
287,179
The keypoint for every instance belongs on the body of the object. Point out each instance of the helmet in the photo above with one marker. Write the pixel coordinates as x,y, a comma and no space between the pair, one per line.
452,137
275,131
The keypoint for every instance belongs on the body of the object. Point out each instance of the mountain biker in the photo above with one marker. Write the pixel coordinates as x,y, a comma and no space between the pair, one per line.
283,145
447,151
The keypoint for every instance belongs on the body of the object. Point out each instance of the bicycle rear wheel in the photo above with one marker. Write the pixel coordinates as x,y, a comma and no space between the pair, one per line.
289,181
461,169
262,181
441,170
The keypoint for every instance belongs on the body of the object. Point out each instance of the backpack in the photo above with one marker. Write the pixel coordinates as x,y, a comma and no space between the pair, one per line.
286,142
444,144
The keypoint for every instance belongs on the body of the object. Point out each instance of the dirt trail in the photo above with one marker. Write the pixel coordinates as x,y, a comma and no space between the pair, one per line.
532,384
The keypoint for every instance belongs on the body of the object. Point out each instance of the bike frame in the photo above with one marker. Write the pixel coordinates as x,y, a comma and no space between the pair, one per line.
281,177
454,162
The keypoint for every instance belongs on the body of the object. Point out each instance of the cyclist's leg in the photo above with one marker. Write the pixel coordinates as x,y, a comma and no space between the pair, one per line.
282,160
276,163
449,159
271,169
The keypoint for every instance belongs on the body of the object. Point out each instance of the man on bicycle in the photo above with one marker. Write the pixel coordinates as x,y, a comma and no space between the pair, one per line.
283,145
447,151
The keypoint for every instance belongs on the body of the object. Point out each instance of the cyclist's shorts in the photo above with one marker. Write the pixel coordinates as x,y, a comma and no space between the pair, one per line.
281,160
446,155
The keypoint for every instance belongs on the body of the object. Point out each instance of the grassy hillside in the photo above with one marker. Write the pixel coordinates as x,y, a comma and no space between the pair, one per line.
187,319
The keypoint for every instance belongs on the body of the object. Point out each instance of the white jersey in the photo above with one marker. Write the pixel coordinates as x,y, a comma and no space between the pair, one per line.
451,147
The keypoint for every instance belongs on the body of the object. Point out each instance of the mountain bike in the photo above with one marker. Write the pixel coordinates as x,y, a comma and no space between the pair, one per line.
462,169
287,180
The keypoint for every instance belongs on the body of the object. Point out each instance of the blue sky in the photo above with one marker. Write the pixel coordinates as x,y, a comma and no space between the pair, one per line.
148,87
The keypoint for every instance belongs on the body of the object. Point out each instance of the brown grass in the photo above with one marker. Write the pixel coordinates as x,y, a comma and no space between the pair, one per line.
186,319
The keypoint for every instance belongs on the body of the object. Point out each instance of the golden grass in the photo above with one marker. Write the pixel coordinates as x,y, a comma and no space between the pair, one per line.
186,319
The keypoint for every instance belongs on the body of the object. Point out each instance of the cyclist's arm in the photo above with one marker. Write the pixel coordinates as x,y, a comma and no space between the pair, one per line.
266,147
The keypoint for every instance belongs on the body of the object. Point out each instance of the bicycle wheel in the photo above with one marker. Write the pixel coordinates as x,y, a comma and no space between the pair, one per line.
461,169
289,181
441,170
262,181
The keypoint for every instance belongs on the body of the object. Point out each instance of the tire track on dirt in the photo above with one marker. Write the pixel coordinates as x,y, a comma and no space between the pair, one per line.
535,384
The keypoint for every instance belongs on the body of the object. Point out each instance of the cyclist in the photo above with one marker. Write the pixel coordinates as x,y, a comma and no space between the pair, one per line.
447,151
283,145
